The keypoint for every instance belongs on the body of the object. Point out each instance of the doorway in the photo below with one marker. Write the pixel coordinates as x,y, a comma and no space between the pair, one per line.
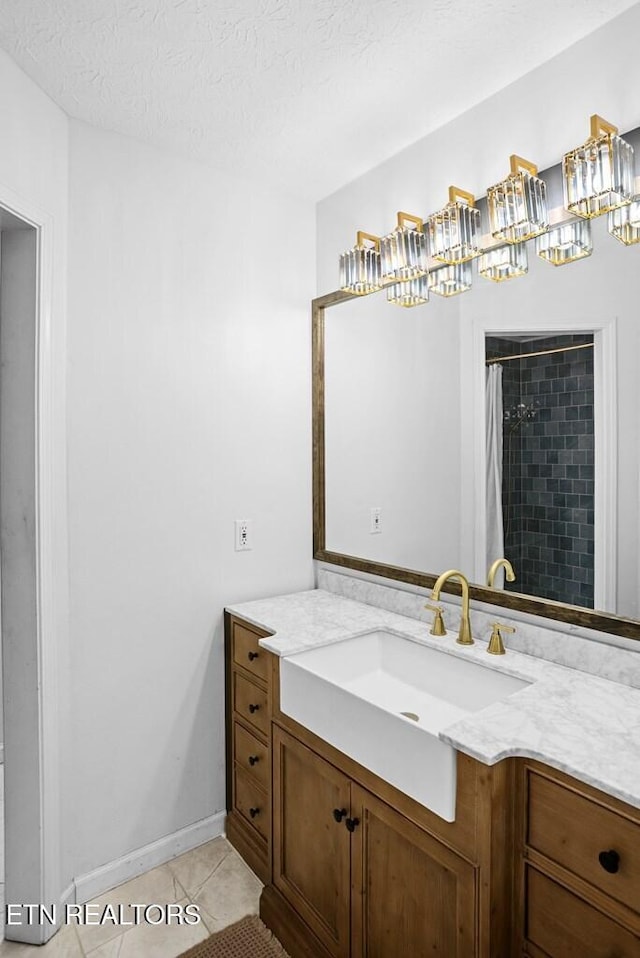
601,332
546,417
30,629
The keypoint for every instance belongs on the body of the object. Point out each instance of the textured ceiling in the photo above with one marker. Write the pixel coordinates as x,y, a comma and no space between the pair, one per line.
305,94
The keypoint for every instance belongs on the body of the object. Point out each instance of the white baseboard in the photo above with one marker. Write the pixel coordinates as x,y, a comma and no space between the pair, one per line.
123,869
68,897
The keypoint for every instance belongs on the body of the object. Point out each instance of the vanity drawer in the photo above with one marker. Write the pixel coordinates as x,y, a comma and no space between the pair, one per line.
573,830
251,802
564,926
251,755
251,703
247,653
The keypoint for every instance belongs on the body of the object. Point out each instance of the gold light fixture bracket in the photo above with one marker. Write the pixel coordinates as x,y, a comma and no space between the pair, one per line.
456,195
404,218
600,127
362,238
517,165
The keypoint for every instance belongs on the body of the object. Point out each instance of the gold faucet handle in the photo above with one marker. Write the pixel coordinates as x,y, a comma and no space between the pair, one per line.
438,623
496,645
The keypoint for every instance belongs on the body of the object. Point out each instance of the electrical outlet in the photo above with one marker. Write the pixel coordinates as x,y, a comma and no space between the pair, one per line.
244,538
375,526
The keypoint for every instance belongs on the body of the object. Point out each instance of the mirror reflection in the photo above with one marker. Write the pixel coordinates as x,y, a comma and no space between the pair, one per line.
438,457
540,464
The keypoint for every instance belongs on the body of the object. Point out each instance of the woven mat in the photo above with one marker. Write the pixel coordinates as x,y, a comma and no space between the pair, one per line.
248,938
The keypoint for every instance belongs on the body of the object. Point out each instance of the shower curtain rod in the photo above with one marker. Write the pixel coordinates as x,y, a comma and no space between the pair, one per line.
542,352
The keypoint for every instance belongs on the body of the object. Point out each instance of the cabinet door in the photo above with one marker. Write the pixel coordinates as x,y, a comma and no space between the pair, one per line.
311,848
411,895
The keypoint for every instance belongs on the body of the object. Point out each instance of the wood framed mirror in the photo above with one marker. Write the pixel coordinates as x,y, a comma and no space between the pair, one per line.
373,415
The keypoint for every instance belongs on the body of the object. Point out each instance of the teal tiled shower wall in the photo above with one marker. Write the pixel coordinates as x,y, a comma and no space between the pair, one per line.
548,467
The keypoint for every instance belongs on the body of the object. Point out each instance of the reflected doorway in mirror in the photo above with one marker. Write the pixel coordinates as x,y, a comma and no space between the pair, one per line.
542,484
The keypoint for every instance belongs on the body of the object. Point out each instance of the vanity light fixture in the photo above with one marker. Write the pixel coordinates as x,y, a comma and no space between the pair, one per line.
450,280
598,176
454,231
566,243
624,223
360,266
518,205
505,262
403,252
413,292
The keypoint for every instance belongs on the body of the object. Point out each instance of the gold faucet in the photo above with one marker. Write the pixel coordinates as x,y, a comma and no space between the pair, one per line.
464,635
438,624
510,574
496,645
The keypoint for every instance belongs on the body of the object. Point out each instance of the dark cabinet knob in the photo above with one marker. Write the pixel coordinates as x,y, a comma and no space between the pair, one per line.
610,861
339,813
254,811
253,759
351,823
252,656
253,708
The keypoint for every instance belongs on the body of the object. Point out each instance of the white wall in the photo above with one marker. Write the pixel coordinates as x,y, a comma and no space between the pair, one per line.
392,414
540,117
33,176
189,406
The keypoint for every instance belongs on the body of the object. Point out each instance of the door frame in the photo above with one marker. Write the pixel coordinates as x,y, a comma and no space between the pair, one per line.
604,332
44,879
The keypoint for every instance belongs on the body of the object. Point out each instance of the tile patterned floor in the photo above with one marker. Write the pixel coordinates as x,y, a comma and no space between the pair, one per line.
213,876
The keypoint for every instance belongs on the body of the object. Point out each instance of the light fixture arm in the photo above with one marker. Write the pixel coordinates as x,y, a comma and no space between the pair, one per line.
600,127
456,194
362,237
518,164
404,218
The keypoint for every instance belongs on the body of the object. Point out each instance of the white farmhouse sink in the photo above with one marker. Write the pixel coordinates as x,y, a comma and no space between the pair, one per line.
382,699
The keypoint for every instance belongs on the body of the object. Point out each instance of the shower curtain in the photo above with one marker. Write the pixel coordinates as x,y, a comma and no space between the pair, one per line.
494,426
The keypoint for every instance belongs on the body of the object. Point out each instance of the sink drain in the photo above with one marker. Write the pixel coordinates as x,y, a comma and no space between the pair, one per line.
411,715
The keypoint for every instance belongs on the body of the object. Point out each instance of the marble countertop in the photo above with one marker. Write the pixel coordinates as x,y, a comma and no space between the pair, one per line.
578,723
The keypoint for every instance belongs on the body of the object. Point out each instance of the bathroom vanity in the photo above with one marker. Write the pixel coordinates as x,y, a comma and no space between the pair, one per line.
535,863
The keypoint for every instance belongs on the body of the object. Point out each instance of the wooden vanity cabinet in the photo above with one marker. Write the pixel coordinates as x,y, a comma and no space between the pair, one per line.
364,879
578,877
536,864
411,895
352,867
312,846
248,698
360,870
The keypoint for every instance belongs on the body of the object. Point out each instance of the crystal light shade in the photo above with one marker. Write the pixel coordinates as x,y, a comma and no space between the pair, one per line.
518,205
598,176
360,266
454,231
403,253
506,262
413,292
624,223
450,280
566,243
